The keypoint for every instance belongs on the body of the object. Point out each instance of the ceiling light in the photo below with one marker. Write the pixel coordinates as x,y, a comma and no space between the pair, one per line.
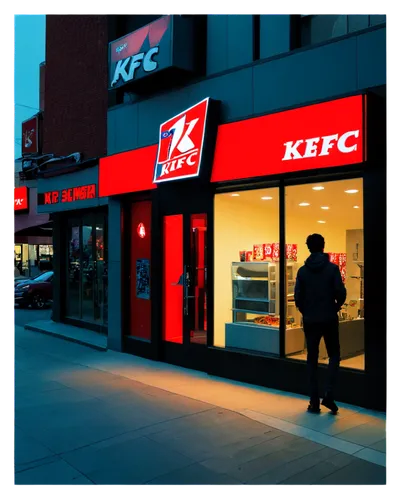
304,204
356,206
321,221
266,197
351,191
235,194
318,188
325,208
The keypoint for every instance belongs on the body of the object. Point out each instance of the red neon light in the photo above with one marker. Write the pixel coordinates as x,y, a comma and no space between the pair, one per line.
141,230
323,135
71,194
21,198
127,172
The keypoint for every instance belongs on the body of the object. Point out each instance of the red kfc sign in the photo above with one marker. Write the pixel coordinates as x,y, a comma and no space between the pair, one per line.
323,135
180,144
21,201
30,142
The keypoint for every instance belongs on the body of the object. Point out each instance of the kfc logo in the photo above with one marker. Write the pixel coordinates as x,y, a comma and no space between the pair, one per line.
126,68
321,146
181,144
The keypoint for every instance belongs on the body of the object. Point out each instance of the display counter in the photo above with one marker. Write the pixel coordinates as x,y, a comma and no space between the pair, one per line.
265,338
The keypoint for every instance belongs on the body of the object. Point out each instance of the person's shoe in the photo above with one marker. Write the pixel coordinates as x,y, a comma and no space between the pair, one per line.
329,403
313,407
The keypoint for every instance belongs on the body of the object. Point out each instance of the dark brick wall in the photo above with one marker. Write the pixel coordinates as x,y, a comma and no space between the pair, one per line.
75,119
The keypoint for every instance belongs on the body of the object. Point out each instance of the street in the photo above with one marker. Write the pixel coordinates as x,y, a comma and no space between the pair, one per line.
23,316
84,417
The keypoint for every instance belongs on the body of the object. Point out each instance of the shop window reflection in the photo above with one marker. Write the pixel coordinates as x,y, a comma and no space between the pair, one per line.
74,278
87,281
334,210
88,275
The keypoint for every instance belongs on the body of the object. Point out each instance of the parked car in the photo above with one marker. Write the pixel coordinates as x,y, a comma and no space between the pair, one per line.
36,292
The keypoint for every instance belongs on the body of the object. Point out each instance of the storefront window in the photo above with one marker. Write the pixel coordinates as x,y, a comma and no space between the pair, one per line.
74,272
334,210
87,281
246,267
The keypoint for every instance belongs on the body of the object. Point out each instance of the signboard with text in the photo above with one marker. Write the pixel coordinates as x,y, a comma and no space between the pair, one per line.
323,135
140,53
68,195
180,144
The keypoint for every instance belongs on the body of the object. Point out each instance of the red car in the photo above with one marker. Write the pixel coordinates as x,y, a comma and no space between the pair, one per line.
37,292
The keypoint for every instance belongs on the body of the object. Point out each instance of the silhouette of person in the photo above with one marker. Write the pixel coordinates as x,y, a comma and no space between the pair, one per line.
319,296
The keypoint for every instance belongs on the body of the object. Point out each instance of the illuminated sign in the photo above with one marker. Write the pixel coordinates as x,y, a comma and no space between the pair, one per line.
141,230
21,200
323,135
180,144
140,53
68,195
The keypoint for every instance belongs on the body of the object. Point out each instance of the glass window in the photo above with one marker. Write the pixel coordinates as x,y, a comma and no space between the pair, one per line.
316,29
88,275
87,280
246,270
198,284
334,210
74,272
44,277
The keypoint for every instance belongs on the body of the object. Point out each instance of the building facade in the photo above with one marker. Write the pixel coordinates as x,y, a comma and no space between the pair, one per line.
229,140
74,138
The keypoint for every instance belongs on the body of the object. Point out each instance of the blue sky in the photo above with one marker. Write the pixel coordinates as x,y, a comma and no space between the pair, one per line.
30,36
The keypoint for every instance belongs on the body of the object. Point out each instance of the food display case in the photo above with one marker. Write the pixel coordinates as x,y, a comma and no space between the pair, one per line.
255,309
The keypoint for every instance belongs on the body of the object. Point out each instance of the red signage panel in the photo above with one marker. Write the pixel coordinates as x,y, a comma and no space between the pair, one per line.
30,135
127,172
180,144
21,200
322,135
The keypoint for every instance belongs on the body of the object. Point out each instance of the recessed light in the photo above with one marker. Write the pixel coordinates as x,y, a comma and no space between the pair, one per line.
266,197
235,194
351,191
304,204
325,208
321,221
318,188
356,206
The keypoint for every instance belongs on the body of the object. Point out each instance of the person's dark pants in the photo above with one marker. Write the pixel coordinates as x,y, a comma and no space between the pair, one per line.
330,332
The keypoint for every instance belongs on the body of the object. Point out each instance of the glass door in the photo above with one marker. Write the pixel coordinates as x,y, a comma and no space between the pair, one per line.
185,279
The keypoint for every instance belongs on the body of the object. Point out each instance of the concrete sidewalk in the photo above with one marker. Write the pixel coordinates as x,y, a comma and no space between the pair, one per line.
85,416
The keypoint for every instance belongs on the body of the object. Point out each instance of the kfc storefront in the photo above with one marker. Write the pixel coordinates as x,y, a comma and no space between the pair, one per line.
210,225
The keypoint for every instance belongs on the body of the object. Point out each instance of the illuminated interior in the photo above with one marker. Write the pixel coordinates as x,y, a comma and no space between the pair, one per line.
248,218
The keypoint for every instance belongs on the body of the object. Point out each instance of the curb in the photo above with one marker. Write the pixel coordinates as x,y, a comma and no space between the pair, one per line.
65,337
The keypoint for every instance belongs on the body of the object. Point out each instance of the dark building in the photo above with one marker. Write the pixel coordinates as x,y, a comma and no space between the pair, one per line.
74,138
229,140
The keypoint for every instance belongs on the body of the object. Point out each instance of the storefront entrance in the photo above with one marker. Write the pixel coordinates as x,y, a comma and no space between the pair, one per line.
185,317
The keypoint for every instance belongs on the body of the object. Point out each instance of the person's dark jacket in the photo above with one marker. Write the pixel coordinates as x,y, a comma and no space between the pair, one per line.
319,292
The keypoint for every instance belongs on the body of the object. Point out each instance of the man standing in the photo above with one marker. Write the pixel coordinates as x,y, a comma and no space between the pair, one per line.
319,296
